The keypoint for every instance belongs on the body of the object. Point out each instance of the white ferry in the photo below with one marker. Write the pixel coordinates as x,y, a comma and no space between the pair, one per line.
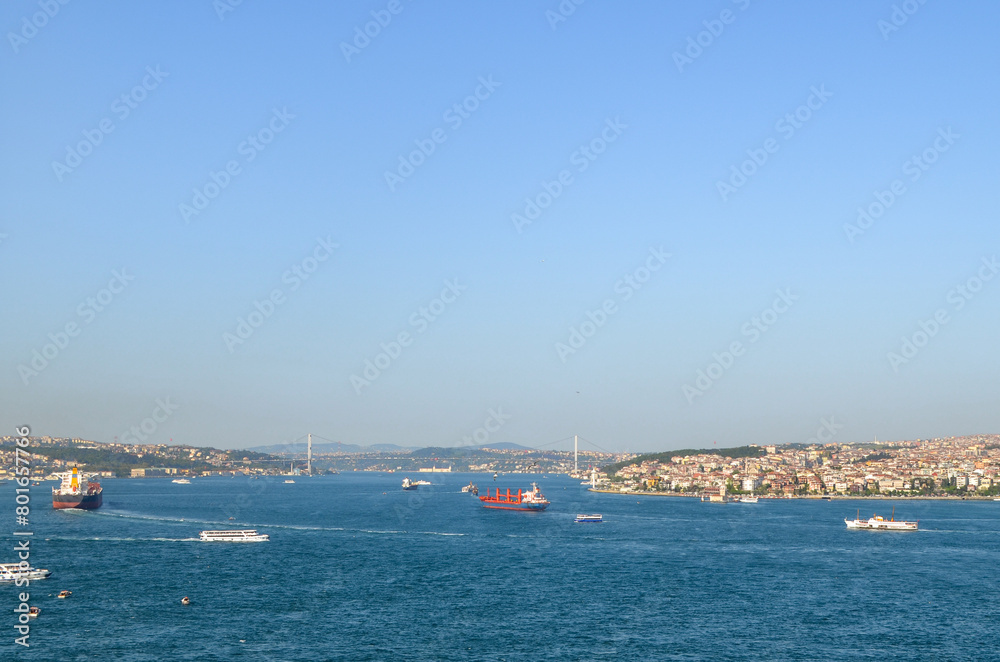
746,499
181,481
244,535
12,571
877,522
589,518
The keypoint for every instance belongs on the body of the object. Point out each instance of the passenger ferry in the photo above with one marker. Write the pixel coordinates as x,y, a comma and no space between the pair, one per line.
13,571
181,481
590,518
244,535
877,522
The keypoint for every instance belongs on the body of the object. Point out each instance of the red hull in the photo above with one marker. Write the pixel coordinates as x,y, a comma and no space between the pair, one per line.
87,502
503,507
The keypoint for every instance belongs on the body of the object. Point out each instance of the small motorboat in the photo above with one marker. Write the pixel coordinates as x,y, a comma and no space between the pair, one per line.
185,600
33,612
64,594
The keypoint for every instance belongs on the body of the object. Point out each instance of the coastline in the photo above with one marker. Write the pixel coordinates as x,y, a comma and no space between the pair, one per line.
814,497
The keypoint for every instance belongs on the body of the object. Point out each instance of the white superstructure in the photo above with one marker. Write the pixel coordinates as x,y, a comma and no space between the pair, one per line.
590,518
879,523
244,535
13,571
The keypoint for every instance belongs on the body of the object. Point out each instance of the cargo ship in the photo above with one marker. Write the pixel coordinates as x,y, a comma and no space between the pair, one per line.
520,500
74,493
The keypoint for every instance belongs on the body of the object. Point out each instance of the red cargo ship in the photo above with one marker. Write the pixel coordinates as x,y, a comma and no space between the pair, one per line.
72,494
532,500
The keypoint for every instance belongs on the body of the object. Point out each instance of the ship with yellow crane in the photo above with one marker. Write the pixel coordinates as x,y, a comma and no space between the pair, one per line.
77,491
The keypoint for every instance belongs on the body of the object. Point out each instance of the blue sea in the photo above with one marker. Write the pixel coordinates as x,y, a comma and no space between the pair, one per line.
357,569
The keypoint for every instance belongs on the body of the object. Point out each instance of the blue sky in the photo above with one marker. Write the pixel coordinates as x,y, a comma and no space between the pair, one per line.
120,116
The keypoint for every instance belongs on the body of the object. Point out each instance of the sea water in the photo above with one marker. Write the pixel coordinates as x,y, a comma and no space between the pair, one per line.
358,569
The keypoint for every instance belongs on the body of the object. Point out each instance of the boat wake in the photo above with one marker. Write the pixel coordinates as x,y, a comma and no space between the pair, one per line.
153,518
113,539
231,524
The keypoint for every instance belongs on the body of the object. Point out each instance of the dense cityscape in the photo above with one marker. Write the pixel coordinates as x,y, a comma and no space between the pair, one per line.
954,466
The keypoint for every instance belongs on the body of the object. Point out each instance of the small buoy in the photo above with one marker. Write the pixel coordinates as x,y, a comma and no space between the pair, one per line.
185,600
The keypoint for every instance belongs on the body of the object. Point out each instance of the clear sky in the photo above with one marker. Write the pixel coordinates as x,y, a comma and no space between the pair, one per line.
216,214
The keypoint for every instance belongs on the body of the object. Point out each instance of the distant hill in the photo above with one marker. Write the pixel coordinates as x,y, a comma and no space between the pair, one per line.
430,451
465,451
389,448
732,453
507,446
300,447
